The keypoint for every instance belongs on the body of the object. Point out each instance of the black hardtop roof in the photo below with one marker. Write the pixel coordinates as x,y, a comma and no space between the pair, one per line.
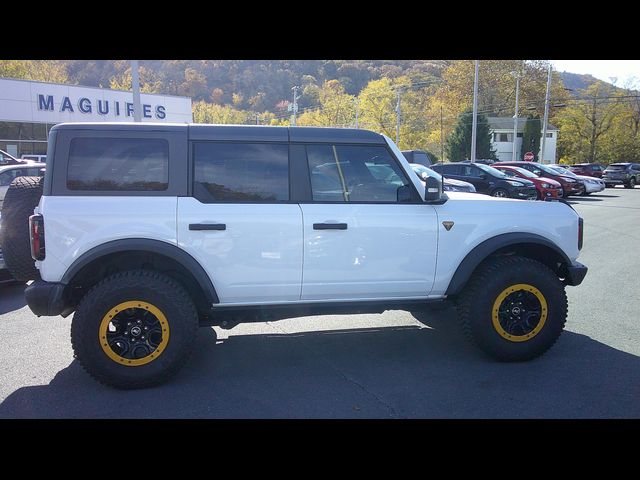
247,133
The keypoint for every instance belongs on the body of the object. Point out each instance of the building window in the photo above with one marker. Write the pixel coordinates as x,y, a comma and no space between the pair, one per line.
520,135
503,137
549,135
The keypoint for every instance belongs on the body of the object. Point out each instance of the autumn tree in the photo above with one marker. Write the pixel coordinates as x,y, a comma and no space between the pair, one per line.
586,123
40,70
458,145
336,109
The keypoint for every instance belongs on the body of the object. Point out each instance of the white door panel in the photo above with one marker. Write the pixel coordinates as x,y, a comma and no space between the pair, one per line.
387,250
257,258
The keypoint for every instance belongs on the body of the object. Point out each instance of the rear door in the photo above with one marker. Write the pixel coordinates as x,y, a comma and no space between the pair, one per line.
240,223
363,239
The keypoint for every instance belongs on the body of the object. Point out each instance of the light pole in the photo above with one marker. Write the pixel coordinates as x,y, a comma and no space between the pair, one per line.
357,103
295,104
135,86
546,115
474,124
515,116
398,116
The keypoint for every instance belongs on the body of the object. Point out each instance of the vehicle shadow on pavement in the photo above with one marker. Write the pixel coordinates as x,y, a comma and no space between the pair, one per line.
418,371
11,298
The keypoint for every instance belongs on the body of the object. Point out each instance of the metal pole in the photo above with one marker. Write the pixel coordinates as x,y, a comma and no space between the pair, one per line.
257,121
546,115
475,111
398,117
515,120
135,86
295,104
441,137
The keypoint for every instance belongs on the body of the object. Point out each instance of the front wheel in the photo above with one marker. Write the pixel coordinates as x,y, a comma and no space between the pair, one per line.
513,308
500,193
134,329
631,184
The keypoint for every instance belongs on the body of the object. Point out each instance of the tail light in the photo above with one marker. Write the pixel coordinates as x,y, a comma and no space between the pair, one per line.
580,232
36,236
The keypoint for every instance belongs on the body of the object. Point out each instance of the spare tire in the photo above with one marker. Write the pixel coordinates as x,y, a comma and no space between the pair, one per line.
22,197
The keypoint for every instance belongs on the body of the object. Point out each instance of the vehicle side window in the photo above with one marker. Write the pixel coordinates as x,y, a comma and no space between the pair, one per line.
537,171
354,173
241,172
118,164
35,172
450,169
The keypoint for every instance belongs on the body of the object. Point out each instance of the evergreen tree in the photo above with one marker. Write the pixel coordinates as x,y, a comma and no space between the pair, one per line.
531,137
458,144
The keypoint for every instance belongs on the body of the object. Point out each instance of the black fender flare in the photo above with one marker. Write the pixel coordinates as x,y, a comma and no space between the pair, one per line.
481,251
146,245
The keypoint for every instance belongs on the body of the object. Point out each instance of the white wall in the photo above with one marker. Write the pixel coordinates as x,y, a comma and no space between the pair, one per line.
505,149
19,102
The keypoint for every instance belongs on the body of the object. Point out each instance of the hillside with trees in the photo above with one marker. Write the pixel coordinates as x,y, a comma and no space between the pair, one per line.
597,121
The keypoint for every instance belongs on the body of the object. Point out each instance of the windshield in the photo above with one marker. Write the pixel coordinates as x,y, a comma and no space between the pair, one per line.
563,171
490,170
547,169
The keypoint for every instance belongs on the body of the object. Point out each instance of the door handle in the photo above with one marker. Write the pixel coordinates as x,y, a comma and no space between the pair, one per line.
207,226
329,226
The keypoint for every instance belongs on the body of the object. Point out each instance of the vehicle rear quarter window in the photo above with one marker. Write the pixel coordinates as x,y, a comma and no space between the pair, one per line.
241,172
354,173
118,164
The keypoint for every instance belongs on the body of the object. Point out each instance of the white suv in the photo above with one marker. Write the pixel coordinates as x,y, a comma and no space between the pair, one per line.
152,230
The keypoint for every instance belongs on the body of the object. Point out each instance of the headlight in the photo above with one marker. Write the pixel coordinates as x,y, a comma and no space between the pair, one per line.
515,184
546,185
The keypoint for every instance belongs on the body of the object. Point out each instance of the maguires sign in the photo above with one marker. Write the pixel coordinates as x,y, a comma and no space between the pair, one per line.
102,107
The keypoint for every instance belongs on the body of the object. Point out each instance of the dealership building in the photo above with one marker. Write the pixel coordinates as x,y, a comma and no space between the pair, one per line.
29,109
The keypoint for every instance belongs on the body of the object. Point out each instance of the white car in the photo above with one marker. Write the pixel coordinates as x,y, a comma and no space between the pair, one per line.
9,172
591,184
155,229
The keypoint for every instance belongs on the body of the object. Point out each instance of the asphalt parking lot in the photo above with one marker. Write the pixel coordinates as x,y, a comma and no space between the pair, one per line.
392,365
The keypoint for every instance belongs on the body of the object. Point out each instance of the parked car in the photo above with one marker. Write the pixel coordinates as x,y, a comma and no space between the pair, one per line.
34,158
627,174
8,159
448,184
547,188
240,219
488,180
587,169
9,172
570,185
591,184
418,156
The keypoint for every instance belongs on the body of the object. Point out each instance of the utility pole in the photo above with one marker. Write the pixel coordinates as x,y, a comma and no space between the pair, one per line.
546,115
474,124
515,116
398,116
257,119
357,102
441,137
295,104
135,86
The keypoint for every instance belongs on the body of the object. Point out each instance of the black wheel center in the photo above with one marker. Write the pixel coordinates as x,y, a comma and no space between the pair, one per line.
134,333
520,313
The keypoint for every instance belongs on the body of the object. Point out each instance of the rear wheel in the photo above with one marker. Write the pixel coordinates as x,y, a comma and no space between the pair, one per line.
134,329
513,308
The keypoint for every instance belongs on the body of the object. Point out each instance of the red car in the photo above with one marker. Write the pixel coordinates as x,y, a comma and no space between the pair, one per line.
570,185
547,188
587,169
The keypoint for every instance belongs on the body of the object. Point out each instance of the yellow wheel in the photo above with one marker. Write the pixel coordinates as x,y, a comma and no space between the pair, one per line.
519,312
134,333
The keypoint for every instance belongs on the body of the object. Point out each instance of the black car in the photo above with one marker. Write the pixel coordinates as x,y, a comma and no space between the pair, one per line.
627,174
488,180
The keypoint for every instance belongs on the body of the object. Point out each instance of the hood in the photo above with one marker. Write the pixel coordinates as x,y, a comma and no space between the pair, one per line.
550,181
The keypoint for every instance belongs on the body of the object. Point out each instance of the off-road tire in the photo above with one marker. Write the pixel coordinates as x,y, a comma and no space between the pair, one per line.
140,285
23,195
494,276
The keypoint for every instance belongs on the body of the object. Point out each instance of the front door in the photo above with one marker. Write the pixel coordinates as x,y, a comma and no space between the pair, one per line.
360,242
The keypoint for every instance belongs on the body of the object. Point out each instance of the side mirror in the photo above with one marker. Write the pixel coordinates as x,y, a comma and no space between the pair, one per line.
433,189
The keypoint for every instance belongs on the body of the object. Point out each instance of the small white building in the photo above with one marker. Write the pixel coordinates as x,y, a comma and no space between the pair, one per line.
502,137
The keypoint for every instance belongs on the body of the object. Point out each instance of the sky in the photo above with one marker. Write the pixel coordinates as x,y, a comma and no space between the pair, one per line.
602,69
